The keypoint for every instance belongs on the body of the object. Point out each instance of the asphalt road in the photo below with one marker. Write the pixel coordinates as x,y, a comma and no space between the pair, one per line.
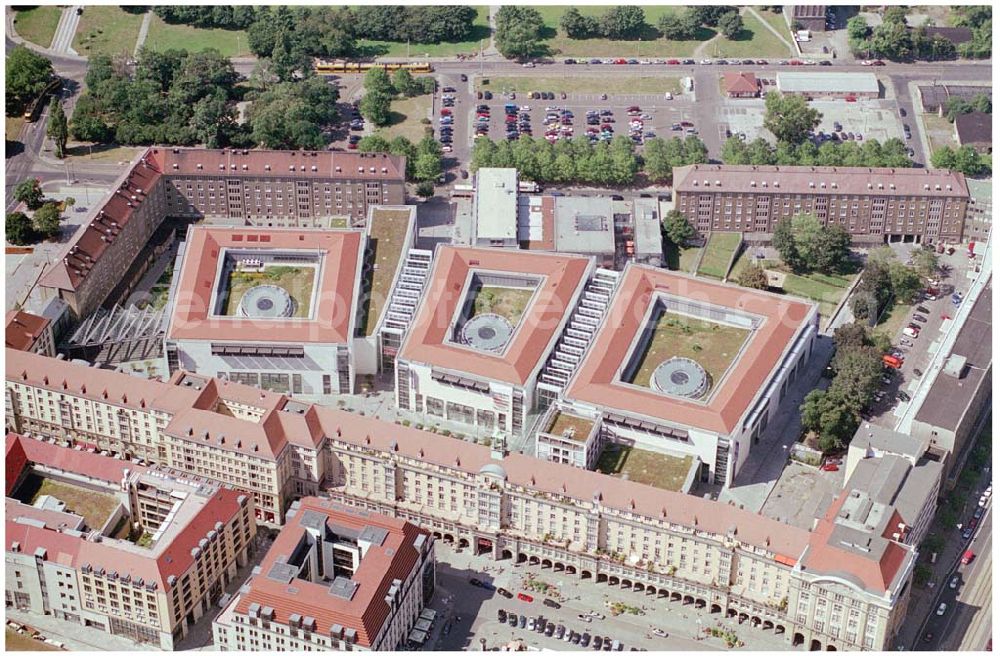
967,610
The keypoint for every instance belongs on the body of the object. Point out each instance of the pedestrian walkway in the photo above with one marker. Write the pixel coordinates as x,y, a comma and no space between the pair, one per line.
143,31
75,636
62,41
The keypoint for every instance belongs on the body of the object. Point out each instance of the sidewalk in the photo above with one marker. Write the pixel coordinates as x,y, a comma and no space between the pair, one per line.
75,636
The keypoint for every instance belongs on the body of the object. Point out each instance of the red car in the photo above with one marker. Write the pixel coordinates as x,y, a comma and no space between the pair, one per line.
830,467
795,62
524,597
620,61
673,62
445,112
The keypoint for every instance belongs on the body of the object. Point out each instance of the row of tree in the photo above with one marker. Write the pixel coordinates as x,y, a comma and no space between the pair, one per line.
834,414
964,159
891,154
806,244
579,161
687,25
628,23
519,32
419,24
380,90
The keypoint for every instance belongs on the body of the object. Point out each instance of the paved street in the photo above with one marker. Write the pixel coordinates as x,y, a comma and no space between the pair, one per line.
477,609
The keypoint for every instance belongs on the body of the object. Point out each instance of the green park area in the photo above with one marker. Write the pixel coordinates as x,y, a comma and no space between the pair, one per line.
164,36
480,33
37,24
754,41
712,345
94,507
646,467
825,289
106,29
405,115
718,253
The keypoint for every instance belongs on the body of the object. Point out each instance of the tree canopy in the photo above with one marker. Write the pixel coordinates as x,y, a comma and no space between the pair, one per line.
27,75
20,232
806,244
30,193
518,31
661,156
789,118
677,228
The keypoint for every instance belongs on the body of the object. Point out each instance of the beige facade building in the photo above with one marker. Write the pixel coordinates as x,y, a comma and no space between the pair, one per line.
160,561
257,188
873,205
334,580
501,506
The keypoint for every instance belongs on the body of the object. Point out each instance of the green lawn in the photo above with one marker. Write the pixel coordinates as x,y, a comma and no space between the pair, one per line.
777,21
754,41
826,290
297,281
581,84
940,131
688,258
564,424
94,507
164,36
712,345
480,32
893,321
388,233
508,302
106,29
101,153
37,24
12,127
718,251
404,118
646,467
650,45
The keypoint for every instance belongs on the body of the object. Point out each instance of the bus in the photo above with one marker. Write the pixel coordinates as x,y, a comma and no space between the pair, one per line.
462,191
34,110
325,67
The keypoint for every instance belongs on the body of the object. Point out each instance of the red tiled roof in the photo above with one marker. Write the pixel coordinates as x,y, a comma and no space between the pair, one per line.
231,162
91,465
23,329
15,460
849,180
367,610
740,82
427,341
91,240
596,380
332,317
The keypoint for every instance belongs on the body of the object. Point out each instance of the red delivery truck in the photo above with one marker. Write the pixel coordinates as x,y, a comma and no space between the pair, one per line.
892,361
968,557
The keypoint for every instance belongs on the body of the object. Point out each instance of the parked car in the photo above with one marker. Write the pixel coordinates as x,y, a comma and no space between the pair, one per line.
550,628
522,621
954,582
920,318
501,615
512,619
525,597
586,618
560,631
585,640
902,396
942,609
551,603
830,467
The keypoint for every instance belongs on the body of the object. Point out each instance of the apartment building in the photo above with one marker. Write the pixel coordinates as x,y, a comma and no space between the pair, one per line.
159,562
654,395
485,324
30,332
874,205
520,508
273,308
258,188
335,579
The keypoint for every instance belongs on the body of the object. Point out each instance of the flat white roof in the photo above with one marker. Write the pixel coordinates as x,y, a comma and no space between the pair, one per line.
828,82
496,204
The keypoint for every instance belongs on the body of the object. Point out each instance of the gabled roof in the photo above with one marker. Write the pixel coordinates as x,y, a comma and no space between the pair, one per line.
427,341
23,329
596,379
741,82
14,462
297,164
974,128
93,238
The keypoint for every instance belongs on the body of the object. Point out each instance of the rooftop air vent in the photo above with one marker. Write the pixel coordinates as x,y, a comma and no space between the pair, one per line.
291,167
338,169
222,167
200,166
245,167
812,185
267,167
314,168
176,166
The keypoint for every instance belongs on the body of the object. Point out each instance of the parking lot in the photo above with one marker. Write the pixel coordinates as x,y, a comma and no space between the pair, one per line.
468,614
866,119
559,117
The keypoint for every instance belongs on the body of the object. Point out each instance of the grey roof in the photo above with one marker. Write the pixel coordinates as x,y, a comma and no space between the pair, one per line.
584,225
648,236
974,128
282,572
343,587
948,398
887,440
496,203
494,469
933,97
893,482
827,82
312,519
373,534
